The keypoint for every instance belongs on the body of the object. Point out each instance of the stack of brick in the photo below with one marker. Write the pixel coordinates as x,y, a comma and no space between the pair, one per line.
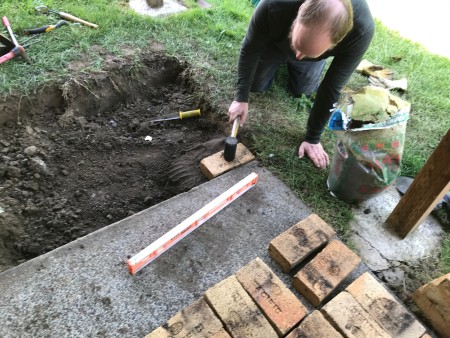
434,301
256,303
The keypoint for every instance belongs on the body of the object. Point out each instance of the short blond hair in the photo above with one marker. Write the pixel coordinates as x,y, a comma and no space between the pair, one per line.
323,12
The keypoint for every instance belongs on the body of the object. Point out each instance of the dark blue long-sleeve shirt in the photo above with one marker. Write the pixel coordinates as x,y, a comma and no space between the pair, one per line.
270,26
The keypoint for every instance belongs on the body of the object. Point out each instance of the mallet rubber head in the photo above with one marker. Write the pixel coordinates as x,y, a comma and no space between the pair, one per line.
231,142
229,152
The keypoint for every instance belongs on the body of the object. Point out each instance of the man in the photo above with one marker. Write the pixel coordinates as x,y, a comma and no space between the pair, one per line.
302,34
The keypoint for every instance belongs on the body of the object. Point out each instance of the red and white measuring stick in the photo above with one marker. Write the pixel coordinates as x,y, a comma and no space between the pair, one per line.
191,223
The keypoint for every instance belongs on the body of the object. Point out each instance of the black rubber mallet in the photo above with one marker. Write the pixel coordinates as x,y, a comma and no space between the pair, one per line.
231,142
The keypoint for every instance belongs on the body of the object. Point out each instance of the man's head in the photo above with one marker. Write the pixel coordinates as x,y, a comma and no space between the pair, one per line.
320,25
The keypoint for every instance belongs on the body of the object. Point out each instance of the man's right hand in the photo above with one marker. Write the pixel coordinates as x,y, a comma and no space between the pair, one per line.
315,152
238,109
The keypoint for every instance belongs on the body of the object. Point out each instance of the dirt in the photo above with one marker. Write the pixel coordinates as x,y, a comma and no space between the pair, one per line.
83,154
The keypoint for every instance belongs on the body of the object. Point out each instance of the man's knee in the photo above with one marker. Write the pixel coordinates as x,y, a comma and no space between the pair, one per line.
304,77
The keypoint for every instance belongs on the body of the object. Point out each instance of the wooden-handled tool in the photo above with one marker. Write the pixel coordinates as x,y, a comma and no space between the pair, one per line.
231,142
66,16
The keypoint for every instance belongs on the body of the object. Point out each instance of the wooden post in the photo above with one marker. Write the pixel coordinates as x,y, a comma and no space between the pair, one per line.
428,188
155,3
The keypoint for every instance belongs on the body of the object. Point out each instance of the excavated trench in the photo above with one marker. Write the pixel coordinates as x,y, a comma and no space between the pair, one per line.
78,156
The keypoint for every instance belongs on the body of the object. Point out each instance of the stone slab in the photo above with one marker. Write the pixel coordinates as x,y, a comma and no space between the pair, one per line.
367,223
169,7
301,240
279,304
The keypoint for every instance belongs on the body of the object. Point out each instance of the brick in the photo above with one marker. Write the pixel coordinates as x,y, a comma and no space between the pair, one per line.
438,292
238,312
382,306
215,165
318,279
196,320
221,334
279,304
430,311
315,325
345,313
444,283
298,242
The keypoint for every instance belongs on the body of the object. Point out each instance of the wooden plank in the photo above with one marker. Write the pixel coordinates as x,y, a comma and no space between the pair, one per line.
428,188
216,165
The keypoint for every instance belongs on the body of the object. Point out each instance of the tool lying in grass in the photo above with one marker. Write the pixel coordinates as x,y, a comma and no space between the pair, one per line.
66,16
17,50
191,223
231,142
180,116
45,29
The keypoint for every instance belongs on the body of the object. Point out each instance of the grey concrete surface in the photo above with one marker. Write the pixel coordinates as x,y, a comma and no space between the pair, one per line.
83,289
379,246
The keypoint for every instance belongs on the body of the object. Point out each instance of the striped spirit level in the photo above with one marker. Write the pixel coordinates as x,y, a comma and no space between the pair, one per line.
191,223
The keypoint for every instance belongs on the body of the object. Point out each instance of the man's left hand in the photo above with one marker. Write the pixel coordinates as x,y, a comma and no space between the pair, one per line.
315,152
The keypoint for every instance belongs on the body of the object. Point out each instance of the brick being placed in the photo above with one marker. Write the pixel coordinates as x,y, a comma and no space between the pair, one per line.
215,165
235,308
382,306
325,272
279,304
298,242
315,325
196,320
349,317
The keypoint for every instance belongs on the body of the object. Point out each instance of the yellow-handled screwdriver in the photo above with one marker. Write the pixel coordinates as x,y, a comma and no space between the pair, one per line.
180,116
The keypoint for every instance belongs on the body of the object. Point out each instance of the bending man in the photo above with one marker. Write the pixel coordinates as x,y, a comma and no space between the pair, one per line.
302,34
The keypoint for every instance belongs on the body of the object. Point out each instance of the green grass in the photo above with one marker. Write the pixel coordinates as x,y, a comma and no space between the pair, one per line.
209,40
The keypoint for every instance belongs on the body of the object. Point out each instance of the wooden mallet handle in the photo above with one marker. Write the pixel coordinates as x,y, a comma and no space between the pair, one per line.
70,17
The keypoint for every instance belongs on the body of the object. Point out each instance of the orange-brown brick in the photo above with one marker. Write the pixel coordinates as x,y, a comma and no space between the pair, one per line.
298,242
283,309
238,312
432,299
196,320
315,325
392,316
438,292
317,279
345,313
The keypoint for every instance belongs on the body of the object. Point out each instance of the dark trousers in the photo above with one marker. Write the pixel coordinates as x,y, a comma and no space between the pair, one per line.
303,75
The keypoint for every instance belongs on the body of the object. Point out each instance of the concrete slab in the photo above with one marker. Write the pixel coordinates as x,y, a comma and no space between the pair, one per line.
83,289
380,248
169,7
